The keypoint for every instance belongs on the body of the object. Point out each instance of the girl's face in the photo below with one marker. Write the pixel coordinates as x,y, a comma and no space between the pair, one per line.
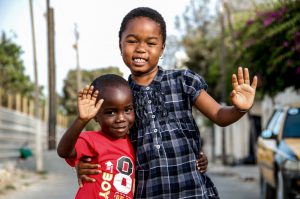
141,45
116,115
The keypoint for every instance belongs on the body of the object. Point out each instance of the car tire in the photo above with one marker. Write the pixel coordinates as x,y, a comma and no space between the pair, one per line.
281,192
266,191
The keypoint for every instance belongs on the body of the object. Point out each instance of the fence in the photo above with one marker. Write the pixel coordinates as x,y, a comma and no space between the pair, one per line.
26,105
19,129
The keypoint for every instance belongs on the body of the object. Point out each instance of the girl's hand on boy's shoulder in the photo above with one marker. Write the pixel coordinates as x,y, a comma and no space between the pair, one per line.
243,93
84,168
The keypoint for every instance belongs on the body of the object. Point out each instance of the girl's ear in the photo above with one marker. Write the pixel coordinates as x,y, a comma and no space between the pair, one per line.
162,49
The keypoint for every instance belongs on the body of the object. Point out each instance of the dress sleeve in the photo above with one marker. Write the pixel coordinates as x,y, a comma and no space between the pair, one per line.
193,84
83,148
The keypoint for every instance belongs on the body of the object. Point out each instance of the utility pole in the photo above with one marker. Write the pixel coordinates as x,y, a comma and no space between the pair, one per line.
38,141
51,72
75,46
223,77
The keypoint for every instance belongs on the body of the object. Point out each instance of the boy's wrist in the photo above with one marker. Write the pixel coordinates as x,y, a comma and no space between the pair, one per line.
82,121
241,110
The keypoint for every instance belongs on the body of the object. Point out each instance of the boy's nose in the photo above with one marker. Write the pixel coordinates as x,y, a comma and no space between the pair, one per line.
120,117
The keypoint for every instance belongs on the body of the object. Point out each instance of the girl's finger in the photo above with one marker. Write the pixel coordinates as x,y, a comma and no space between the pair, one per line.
254,82
240,76
234,82
246,76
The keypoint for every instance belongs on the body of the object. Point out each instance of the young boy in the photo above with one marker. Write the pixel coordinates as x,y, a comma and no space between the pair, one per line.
110,147
167,139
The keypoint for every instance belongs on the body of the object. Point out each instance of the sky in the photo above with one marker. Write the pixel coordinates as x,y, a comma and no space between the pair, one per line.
98,24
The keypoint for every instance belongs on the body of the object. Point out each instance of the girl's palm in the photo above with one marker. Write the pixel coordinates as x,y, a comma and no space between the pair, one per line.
243,93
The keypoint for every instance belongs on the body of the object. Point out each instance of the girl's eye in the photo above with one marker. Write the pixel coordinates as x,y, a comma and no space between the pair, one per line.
151,43
131,41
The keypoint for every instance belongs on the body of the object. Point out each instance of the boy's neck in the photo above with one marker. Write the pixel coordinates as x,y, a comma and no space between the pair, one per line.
145,79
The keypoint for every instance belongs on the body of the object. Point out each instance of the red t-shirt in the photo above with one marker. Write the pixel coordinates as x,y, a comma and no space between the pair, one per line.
117,160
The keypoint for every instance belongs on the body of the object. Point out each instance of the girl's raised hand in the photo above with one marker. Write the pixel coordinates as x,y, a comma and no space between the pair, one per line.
87,106
242,95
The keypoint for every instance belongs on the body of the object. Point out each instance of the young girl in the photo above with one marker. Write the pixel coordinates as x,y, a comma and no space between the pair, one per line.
167,139
110,147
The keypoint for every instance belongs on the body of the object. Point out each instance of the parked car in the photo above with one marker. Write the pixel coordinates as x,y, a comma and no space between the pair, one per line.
278,154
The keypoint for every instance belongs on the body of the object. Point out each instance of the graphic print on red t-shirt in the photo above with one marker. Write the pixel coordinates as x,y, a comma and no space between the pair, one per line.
116,159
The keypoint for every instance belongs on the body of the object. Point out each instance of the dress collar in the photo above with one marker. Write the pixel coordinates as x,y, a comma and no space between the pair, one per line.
156,80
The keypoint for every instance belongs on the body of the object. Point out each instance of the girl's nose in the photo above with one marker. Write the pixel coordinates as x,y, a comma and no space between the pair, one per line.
141,47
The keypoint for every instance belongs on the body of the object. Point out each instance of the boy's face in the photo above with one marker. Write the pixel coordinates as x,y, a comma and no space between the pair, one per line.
116,115
141,45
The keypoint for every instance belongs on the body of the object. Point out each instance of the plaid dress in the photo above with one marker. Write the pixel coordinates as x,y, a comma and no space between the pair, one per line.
167,139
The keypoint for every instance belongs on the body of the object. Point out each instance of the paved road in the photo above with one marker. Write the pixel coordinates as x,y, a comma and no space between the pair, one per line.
239,182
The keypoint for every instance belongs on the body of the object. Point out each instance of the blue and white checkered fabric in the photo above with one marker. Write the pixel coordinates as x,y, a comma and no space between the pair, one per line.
167,139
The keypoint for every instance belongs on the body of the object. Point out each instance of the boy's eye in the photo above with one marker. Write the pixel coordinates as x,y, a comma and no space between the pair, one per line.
128,110
110,112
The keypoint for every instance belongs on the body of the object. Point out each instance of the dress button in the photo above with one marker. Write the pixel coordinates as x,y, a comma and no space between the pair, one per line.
155,130
147,88
157,147
149,101
153,116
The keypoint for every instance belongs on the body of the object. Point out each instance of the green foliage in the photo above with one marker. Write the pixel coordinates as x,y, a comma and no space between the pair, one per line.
271,46
69,99
12,77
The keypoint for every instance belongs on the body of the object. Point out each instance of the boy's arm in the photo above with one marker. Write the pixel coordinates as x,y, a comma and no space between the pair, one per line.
242,98
87,109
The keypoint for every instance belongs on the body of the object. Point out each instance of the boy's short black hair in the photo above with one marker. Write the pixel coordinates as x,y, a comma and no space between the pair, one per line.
103,82
144,12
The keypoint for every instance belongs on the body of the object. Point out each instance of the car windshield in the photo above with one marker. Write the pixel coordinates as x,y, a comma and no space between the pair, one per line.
292,123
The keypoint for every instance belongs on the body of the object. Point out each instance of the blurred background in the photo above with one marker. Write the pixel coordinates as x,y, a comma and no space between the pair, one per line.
50,48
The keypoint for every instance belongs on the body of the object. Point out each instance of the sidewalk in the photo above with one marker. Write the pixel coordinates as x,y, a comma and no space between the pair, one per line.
58,182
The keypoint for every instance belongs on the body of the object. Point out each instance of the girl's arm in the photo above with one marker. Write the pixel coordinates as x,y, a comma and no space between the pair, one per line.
87,109
242,97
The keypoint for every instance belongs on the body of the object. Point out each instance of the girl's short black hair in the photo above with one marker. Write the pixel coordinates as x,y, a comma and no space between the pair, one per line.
144,12
104,82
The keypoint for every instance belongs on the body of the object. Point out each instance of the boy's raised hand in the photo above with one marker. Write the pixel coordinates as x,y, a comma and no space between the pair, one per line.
87,106
242,95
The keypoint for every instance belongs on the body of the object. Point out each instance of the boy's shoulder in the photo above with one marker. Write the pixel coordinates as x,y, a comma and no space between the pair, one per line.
89,134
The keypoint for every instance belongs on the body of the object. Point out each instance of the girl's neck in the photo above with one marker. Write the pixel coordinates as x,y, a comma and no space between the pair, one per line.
146,78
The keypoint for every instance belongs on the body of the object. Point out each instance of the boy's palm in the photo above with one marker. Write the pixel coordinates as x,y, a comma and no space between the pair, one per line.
243,93
87,106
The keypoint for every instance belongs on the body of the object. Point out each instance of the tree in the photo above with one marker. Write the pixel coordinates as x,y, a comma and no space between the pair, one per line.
271,45
12,76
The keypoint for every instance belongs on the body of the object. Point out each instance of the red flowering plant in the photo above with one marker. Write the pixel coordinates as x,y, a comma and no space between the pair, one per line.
270,45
